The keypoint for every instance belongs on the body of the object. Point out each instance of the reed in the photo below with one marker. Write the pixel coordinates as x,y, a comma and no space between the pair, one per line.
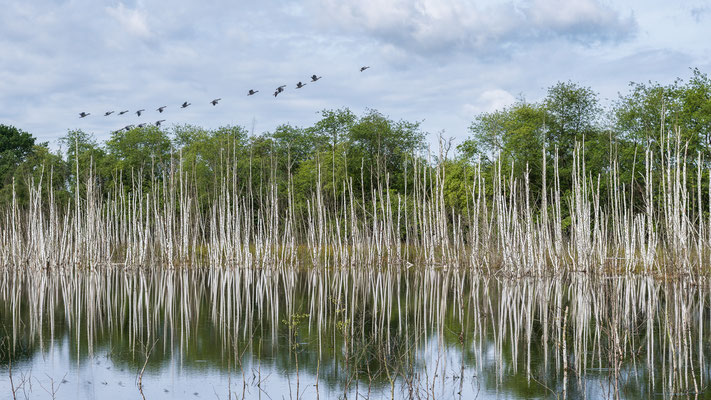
165,224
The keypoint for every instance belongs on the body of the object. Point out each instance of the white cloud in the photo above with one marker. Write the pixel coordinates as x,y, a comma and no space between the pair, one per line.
495,99
436,25
488,101
134,21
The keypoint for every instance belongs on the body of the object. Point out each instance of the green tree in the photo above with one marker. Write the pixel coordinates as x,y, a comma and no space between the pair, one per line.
383,146
83,148
296,145
513,136
651,113
15,146
650,110
572,116
43,170
209,156
140,154
330,138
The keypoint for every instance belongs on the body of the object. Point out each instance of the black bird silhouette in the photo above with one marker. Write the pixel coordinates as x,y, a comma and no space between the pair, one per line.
140,126
123,112
160,109
281,88
106,114
159,122
139,112
214,102
83,114
185,105
128,127
251,92
363,68
300,85
314,78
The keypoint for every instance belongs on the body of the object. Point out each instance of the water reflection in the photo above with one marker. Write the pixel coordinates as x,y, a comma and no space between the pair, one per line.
409,333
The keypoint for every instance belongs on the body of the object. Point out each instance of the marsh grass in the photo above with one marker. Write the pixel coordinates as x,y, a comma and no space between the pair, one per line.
504,231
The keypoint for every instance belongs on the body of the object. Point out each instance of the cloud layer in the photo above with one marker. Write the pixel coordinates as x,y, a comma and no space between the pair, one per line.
436,61
440,26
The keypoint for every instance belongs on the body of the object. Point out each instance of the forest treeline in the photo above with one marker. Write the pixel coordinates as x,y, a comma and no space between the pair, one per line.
373,151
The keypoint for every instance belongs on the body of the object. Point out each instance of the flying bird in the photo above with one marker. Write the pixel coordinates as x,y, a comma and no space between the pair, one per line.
185,105
314,78
363,68
123,112
214,102
160,109
279,90
83,114
159,122
139,112
251,92
300,85
106,114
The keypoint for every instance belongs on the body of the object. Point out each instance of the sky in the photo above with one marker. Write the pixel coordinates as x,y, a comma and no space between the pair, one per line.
439,62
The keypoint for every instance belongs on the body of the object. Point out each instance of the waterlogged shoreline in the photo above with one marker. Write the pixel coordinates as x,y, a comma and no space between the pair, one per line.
395,332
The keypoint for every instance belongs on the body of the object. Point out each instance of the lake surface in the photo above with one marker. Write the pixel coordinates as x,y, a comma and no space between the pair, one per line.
350,333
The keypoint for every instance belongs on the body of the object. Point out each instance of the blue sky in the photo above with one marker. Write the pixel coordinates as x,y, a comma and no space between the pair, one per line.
441,62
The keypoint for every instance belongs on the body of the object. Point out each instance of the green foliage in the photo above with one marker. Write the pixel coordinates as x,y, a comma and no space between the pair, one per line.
143,152
572,114
383,146
81,147
15,146
207,156
513,136
646,115
40,168
458,184
650,110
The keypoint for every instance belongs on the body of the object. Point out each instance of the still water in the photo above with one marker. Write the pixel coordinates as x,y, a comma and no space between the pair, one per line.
349,333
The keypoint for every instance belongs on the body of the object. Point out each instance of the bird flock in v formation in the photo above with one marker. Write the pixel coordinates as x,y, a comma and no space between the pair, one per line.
185,104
